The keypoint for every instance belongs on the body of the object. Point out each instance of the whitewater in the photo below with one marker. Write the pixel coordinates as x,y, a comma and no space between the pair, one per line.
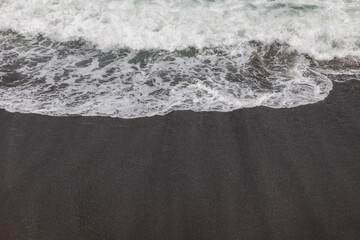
141,58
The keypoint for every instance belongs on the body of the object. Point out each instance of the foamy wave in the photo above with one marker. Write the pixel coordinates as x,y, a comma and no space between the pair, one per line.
323,29
142,58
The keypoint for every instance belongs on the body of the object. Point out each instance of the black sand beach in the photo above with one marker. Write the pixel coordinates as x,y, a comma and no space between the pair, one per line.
250,174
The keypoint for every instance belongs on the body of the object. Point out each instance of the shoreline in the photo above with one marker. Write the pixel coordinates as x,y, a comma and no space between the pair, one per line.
256,173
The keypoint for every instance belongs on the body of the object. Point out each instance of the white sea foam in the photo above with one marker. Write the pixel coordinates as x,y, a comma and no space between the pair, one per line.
322,28
142,58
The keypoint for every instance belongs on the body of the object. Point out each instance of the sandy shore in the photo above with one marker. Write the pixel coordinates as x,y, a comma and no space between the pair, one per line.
250,174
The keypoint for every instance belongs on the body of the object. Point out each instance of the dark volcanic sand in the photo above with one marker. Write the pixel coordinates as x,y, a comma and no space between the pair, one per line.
251,174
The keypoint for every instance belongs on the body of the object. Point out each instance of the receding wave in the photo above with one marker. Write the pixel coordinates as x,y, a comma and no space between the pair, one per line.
133,59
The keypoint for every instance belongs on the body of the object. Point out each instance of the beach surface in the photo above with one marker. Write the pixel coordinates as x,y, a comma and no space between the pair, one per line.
256,173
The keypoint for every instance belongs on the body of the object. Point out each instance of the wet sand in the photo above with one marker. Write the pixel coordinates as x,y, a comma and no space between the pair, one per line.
250,174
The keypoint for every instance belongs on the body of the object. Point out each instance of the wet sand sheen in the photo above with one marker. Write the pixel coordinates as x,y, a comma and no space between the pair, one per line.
250,174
